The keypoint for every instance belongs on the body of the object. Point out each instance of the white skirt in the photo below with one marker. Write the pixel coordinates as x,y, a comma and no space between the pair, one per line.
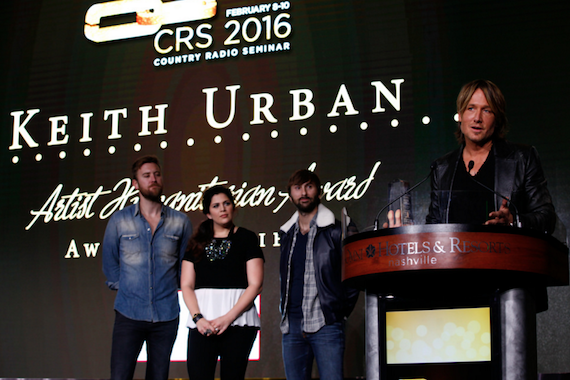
217,302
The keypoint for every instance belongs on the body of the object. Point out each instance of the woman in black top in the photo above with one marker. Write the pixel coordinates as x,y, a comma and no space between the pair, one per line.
222,274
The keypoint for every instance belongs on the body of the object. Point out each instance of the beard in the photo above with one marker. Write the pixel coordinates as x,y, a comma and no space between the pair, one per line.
309,207
152,193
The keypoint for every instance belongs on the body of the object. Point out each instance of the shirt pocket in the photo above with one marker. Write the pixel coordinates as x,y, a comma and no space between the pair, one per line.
168,247
131,247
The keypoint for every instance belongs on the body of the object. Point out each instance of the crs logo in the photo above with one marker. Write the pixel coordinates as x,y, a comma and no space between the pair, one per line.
150,16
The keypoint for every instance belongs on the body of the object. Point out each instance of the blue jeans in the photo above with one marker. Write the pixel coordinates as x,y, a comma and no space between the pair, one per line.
326,346
128,338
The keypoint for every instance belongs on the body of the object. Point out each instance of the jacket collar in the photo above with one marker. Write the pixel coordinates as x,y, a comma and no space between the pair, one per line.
325,217
502,149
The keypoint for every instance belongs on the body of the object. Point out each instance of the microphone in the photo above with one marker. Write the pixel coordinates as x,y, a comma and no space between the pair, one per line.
377,220
517,218
451,186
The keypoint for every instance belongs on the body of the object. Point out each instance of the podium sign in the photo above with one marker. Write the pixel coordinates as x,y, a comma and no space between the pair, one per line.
453,249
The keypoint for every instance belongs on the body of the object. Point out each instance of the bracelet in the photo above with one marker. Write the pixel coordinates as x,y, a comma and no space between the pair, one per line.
196,317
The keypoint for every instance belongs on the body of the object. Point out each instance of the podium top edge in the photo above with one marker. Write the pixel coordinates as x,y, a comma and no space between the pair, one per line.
455,228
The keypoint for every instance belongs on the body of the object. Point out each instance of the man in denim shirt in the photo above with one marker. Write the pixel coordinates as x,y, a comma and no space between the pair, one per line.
142,252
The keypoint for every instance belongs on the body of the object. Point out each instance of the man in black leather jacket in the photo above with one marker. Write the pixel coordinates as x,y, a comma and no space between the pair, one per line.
314,302
510,170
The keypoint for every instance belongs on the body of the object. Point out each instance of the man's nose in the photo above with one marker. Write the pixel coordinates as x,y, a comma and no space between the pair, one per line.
479,115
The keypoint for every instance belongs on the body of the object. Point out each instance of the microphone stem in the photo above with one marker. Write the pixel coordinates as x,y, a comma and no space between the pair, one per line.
517,218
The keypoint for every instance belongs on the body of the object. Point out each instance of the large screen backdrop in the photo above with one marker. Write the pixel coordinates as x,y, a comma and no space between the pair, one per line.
242,93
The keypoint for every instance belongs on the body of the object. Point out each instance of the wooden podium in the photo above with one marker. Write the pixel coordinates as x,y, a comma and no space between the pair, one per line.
456,265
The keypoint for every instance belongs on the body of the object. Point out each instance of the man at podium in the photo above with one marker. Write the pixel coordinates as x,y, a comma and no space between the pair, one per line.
484,158
488,180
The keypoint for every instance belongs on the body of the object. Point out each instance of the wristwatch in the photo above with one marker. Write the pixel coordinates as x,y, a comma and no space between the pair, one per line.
196,317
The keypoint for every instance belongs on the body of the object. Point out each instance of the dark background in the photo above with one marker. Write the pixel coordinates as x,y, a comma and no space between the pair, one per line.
57,314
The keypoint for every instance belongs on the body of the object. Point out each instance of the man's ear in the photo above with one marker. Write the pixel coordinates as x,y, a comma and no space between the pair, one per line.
135,183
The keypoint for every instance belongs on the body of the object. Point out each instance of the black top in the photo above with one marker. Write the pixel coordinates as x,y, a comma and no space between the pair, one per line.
229,272
471,202
297,279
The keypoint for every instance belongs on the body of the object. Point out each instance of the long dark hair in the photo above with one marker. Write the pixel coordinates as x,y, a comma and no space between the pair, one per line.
205,232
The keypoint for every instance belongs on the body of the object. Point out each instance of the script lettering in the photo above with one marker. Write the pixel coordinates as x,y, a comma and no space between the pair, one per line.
80,204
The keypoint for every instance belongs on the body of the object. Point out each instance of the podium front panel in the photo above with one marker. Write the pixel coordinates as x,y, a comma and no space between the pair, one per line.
385,260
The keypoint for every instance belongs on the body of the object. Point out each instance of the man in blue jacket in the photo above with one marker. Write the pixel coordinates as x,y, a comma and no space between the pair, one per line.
314,302
142,251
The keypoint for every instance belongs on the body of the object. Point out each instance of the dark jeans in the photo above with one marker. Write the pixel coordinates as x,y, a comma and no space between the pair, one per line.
233,348
326,346
128,338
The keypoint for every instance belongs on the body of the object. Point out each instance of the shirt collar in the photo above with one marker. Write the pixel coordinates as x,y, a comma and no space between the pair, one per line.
312,224
137,211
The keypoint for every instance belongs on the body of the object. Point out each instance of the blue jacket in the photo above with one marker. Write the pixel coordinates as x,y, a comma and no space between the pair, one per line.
145,268
337,301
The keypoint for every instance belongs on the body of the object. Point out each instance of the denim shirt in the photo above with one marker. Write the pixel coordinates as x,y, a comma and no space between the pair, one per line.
145,268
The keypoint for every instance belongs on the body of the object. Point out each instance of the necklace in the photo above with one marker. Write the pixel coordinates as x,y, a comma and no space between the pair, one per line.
218,249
